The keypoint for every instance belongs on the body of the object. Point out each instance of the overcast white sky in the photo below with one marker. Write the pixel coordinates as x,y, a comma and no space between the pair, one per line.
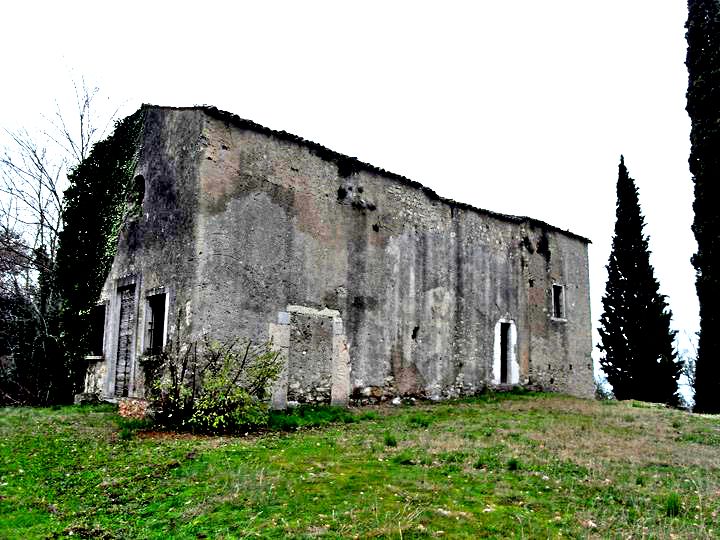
519,107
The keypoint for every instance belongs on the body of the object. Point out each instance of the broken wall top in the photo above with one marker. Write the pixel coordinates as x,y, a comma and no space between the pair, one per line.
348,165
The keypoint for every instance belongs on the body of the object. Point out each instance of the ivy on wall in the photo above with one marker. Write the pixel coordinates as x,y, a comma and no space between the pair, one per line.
94,209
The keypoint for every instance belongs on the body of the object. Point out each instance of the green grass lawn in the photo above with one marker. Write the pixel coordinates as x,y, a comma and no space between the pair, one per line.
517,466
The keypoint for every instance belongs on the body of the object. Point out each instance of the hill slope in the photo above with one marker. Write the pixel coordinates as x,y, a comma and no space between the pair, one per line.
524,466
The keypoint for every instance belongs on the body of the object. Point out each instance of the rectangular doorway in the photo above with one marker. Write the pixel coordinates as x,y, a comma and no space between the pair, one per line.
504,347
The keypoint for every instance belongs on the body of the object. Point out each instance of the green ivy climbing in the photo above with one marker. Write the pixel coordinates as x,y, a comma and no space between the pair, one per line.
94,210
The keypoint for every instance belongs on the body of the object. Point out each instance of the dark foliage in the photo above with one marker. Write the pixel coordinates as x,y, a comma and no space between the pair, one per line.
703,106
34,368
636,340
31,367
101,187
17,336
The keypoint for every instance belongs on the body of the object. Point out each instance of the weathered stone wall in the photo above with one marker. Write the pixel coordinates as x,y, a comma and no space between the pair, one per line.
243,227
156,247
560,348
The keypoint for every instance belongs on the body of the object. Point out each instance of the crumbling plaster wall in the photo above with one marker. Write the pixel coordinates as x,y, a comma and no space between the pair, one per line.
560,348
238,226
419,284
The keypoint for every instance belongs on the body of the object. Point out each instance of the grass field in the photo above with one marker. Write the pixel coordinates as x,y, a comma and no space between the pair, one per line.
499,466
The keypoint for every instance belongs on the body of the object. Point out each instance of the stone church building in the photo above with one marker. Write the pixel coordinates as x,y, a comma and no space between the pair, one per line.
370,284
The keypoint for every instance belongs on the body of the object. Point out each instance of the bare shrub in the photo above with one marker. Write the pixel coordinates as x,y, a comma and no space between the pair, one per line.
212,386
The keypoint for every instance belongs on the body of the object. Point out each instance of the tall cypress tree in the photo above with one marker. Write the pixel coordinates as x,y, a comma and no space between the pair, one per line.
639,359
703,106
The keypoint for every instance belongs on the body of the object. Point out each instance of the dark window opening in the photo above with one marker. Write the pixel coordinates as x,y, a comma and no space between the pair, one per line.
156,323
415,332
504,356
139,190
558,302
97,330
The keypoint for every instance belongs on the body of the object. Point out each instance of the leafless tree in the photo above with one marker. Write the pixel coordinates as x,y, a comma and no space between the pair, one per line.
32,181
34,167
76,138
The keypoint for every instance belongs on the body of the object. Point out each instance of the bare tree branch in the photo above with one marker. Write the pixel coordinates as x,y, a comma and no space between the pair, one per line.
33,168
33,176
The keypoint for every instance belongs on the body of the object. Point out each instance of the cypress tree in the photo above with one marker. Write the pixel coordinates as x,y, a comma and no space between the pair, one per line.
703,106
636,340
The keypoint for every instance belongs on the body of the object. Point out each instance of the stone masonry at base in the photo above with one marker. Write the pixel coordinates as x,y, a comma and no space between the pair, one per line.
370,285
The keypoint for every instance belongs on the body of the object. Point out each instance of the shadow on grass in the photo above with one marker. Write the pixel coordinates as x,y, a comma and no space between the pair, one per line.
308,416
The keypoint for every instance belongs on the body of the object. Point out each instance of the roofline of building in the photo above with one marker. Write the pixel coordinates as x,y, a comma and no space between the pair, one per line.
347,165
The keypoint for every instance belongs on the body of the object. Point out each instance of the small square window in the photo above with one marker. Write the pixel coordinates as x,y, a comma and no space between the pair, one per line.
558,297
